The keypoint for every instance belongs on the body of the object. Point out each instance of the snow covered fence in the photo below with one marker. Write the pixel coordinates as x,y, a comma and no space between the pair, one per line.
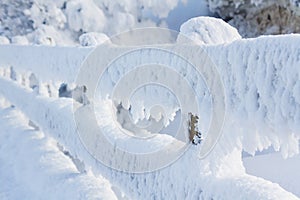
126,59
48,63
199,180
260,80
250,58
261,85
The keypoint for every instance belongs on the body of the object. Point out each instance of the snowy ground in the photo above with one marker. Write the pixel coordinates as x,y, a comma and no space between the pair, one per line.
273,167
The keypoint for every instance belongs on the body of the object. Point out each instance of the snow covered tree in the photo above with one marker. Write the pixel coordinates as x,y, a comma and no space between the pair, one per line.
256,17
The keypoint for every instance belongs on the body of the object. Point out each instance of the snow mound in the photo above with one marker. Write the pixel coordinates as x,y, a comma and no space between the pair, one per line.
208,30
92,39
21,40
70,19
4,40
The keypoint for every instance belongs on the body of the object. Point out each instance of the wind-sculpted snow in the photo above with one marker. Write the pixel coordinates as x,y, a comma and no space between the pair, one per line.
212,177
56,64
201,31
262,81
262,97
32,166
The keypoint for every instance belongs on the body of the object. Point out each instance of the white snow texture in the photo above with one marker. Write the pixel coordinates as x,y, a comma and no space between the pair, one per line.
261,78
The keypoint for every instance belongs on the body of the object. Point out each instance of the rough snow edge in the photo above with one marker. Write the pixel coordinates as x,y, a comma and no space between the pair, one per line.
33,161
55,117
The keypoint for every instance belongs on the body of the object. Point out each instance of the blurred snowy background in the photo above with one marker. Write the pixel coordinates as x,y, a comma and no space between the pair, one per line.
73,22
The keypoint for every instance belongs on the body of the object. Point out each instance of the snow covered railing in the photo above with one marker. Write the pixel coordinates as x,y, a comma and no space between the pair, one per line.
262,88
48,63
260,80
54,116
33,161
57,122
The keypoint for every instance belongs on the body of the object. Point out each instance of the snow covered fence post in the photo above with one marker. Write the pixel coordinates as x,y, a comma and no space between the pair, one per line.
144,86
194,133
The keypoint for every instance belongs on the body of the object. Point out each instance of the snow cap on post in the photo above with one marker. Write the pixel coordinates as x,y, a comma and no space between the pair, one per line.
208,31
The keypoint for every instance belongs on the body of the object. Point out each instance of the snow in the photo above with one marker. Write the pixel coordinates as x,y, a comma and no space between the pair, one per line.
285,172
246,67
21,40
93,39
85,16
263,95
32,166
109,146
46,12
64,21
208,30
204,179
63,68
263,132
4,40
